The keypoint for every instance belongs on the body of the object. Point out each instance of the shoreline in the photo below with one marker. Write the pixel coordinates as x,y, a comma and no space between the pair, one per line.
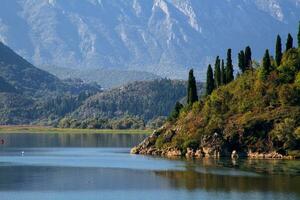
148,147
7,129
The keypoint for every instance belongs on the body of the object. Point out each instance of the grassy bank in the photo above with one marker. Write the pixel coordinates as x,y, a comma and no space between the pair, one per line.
45,129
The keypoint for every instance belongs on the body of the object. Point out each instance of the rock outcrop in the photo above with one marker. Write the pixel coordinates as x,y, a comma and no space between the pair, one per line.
211,148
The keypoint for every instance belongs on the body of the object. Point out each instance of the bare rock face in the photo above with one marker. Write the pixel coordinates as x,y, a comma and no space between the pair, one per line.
147,145
211,147
190,153
173,153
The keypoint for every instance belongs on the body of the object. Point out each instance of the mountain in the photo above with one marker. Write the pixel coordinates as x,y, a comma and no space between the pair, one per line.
107,78
29,94
256,115
164,37
135,103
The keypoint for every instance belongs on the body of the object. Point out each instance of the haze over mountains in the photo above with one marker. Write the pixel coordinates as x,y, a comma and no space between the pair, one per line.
164,37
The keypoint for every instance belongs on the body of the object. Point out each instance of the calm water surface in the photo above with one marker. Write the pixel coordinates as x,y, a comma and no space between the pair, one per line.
99,166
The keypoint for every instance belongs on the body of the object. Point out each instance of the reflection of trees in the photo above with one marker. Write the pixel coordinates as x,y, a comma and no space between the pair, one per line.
71,140
214,175
192,180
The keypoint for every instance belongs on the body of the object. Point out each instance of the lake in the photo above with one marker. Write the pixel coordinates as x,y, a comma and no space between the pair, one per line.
99,166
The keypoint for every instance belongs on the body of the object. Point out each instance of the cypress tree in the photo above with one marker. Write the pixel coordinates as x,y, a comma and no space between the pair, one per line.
217,72
229,67
223,73
248,58
299,35
209,81
176,111
266,65
241,58
278,53
192,88
289,42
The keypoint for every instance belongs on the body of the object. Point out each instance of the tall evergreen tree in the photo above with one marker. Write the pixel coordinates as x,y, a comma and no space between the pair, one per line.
223,73
248,58
192,88
266,65
176,111
229,67
217,72
210,84
241,59
278,53
289,42
299,35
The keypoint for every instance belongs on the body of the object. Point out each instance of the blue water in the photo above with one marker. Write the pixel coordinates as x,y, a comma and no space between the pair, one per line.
66,171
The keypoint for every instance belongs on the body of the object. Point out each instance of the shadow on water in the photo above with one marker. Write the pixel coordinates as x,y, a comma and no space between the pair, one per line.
244,175
71,140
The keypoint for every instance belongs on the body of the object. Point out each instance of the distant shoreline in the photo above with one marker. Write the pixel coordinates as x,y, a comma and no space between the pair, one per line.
48,129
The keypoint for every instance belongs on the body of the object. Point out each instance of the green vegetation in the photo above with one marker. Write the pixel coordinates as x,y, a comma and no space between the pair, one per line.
241,60
248,58
229,68
278,51
176,111
298,35
217,72
29,95
47,130
259,111
210,83
192,95
133,106
223,73
289,42
266,66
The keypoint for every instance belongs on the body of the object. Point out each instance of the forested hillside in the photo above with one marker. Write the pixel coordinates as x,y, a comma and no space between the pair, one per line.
29,95
256,111
130,106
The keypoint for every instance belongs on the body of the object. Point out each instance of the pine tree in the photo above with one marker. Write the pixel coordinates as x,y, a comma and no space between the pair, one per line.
176,111
278,55
289,42
248,58
266,65
223,73
217,72
299,35
229,67
241,59
192,88
209,81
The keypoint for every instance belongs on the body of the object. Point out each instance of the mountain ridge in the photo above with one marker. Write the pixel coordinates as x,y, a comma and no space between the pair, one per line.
165,37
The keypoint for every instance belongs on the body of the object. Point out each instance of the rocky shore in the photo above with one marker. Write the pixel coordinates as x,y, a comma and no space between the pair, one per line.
212,149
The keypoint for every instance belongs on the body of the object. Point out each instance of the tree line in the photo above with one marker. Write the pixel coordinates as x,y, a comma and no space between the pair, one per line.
223,73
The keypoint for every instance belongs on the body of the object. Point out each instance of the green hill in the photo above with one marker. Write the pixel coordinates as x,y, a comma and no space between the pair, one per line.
30,95
257,114
129,106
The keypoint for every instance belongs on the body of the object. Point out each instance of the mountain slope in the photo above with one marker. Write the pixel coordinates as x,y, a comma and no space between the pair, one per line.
142,101
29,94
164,37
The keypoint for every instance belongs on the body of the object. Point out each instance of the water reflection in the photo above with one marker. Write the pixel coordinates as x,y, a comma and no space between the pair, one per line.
112,173
71,140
